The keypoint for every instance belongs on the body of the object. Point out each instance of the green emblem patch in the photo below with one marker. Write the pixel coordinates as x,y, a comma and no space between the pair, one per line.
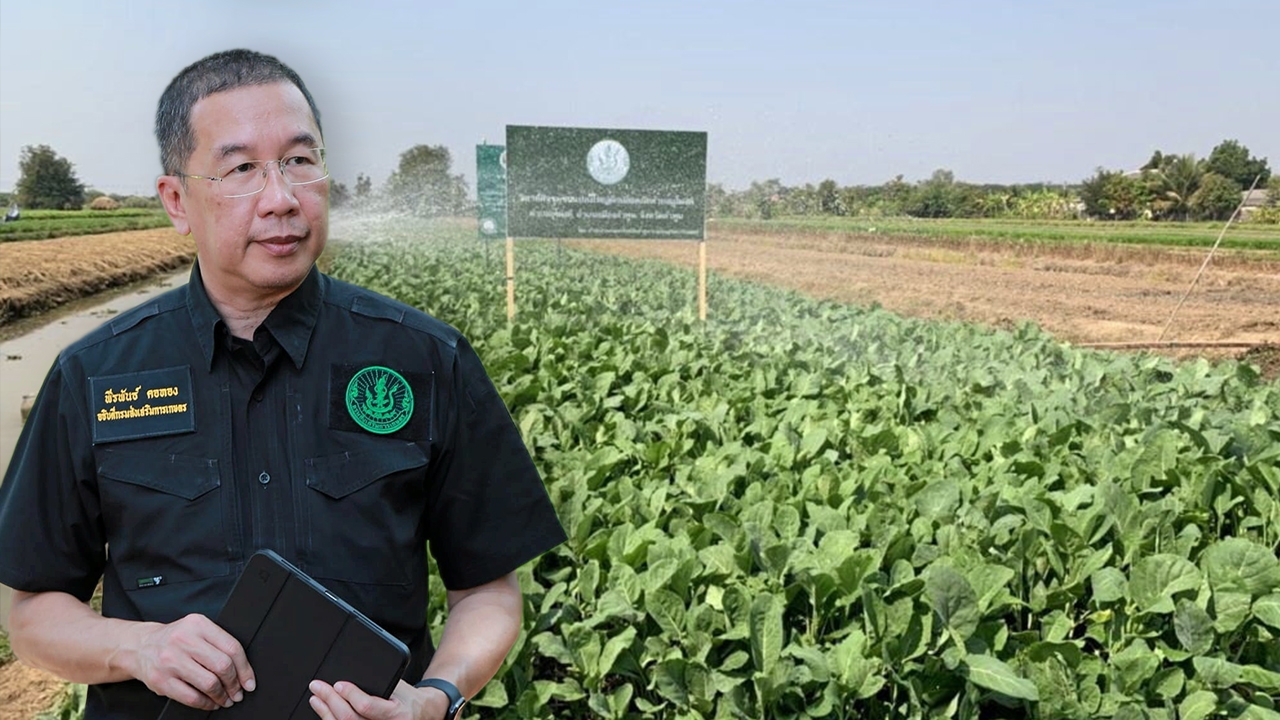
379,400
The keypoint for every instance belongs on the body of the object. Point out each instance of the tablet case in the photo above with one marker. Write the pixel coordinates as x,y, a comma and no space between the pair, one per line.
293,631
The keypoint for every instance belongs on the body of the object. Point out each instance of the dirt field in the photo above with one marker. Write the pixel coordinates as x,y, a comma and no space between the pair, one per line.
26,692
1081,293
36,275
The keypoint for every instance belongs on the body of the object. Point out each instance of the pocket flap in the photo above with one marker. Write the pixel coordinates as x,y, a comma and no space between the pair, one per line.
181,475
340,475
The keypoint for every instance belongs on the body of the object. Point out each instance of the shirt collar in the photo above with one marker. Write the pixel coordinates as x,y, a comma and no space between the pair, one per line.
290,322
204,317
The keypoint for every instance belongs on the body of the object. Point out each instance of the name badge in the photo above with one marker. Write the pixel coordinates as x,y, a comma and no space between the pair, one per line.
142,404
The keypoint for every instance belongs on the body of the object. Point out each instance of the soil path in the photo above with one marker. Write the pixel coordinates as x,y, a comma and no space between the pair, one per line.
1080,293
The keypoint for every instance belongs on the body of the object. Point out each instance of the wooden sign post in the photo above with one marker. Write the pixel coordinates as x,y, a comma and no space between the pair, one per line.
702,279
511,279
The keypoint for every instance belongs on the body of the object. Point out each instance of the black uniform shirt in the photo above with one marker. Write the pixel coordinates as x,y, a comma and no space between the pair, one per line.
351,432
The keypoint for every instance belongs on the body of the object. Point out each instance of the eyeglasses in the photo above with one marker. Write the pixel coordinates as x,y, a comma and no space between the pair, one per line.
250,177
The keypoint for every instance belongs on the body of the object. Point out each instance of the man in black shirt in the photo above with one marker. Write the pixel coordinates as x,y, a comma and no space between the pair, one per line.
263,405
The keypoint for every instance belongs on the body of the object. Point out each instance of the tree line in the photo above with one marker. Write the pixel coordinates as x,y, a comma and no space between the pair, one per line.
48,181
1179,187
1167,187
423,183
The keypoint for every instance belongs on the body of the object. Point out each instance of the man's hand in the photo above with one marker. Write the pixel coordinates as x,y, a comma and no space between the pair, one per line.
193,661
344,701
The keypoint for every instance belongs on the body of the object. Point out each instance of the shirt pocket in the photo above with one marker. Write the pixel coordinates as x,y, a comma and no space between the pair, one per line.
363,515
164,517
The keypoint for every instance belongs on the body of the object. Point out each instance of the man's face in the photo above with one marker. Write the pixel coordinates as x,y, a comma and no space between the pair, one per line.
255,246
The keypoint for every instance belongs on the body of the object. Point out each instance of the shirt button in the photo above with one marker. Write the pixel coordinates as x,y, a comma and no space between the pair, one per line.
264,478
257,397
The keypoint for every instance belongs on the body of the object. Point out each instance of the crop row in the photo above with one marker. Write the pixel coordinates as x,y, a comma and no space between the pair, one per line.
1188,234
45,224
45,215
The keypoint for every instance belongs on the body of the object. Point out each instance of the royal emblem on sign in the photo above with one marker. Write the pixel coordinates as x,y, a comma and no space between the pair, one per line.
608,162
379,400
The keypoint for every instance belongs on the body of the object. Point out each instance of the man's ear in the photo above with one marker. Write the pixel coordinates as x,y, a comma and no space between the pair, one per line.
173,197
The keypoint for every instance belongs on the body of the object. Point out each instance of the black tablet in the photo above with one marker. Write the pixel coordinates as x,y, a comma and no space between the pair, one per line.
295,631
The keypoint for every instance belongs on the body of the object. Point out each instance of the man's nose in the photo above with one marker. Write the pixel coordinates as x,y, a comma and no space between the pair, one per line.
277,196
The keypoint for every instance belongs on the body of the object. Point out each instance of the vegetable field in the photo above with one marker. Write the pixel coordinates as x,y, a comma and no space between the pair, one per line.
811,510
44,224
1241,236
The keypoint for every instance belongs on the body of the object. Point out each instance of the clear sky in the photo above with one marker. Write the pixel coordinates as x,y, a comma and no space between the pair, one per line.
1012,91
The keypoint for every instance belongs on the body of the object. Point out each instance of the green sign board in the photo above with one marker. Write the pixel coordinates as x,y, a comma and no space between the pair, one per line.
491,190
596,183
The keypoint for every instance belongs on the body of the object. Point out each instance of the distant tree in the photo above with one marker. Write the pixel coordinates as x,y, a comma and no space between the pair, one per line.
717,201
1112,195
966,200
92,194
339,195
996,203
860,200
764,197
47,181
1231,160
1093,193
1157,159
1046,204
896,196
1173,184
1269,213
801,201
936,197
764,208
829,198
1216,198
364,186
422,183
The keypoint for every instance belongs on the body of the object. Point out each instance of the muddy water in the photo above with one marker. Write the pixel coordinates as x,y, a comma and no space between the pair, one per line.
30,347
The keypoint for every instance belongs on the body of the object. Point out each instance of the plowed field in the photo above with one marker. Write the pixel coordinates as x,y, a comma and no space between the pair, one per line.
1083,293
36,275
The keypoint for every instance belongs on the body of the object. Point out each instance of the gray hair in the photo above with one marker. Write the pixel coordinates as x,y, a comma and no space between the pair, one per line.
216,73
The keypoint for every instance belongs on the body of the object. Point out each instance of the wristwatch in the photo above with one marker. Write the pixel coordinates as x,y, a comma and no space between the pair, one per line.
456,700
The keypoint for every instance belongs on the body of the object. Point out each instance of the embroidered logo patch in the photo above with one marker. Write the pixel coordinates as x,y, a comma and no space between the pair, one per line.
379,399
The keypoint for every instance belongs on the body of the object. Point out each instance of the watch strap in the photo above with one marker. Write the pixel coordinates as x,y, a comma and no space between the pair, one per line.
456,699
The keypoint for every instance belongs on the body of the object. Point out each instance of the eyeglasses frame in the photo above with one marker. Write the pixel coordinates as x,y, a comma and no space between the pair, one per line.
266,168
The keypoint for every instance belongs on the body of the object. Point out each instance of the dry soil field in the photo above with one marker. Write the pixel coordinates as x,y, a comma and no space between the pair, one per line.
25,692
36,275
1081,293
